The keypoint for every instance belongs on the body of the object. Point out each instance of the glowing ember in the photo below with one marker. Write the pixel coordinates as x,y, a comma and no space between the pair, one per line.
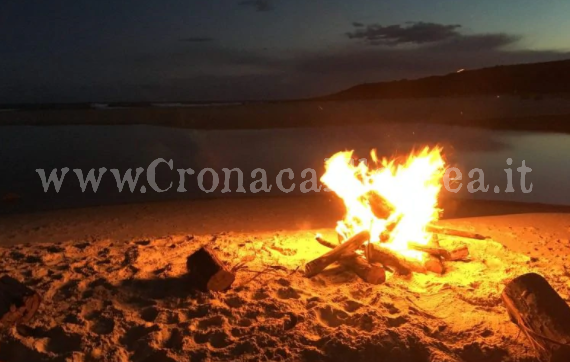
388,194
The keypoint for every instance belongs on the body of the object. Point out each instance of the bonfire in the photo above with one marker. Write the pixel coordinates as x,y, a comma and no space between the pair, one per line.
391,214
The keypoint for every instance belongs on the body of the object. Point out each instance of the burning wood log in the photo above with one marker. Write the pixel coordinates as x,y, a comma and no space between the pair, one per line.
459,253
371,273
390,259
317,265
18,303
537,309
434,264
208,272
453,232
390,226
379,206
324,242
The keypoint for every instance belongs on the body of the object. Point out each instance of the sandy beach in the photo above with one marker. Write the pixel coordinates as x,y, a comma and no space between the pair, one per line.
114,287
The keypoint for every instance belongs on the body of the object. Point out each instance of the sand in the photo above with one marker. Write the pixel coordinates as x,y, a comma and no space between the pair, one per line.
114,285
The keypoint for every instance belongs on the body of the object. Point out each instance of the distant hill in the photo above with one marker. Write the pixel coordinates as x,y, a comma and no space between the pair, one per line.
521,79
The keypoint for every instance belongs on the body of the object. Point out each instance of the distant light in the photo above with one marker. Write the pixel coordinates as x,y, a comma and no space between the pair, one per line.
460,70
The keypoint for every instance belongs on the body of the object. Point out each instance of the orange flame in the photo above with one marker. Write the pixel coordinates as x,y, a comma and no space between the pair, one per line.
402,196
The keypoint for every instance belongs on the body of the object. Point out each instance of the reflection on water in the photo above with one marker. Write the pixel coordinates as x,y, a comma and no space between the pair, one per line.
25,149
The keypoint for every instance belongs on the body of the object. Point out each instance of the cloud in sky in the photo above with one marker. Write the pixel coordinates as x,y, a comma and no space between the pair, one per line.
478,41
258,5
436,57
411,33
197,39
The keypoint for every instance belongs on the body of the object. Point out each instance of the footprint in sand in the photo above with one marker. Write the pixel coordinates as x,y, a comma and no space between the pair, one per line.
210,322
244,322
61,342
390,307
16,256
331,317
198,311
73,318
244,348
351,306
200,337
219,339
283,282
235,301
53,249
396,321
290,321
287,293
176,340
12,349
166,316
102,325
67,291
55,340
135,333
149,314
82,245
260,294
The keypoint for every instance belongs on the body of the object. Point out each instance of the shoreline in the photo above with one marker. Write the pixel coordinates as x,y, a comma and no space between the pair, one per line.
551,115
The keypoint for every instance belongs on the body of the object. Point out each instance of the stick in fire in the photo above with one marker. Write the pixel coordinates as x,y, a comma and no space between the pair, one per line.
454,232
388,258
392,260
317,265
457,254
370,273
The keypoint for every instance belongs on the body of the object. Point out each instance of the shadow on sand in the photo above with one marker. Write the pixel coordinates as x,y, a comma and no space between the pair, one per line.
162,288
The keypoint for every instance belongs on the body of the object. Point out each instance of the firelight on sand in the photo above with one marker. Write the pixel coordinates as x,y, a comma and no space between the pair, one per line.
388,194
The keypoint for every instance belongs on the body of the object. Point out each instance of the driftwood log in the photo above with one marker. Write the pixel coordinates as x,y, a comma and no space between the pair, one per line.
370,273
208,272
317,265
392,260
543,316
456,254
454,232
434,264
18,303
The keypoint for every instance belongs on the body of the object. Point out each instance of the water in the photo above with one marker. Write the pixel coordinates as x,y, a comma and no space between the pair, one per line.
24,149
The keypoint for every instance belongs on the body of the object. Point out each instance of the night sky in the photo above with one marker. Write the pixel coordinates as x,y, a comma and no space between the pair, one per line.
83,51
